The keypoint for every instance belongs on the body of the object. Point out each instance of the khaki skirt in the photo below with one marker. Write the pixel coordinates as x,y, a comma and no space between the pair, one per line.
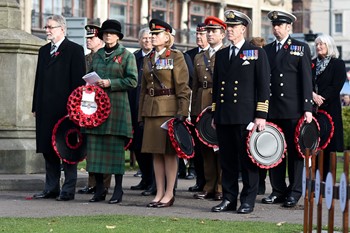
156,139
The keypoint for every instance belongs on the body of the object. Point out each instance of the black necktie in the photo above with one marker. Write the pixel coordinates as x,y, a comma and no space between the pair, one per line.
233,53
279,45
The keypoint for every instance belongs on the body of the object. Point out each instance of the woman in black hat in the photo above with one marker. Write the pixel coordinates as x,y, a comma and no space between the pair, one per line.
105,147
164,94
329,75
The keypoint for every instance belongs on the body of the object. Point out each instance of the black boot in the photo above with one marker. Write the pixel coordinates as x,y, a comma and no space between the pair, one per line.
118,190
100,194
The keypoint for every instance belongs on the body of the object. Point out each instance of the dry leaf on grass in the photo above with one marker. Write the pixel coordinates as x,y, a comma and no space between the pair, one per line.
280,223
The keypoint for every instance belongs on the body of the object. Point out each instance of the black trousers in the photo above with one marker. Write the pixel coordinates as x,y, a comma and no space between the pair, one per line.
232,148
294,162
53,175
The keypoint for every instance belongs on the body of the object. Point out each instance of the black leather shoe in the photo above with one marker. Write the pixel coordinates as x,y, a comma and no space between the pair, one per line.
97,198
203,195
117,199
196,188
190,176
272,199
46,195
64,198
87,190
225,205
245,208
151,191
290,202
140,186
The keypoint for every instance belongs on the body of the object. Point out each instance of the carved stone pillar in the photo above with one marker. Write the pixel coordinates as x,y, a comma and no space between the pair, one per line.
18,59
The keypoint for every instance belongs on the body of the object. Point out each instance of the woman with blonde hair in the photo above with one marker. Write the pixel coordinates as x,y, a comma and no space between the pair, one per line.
164,94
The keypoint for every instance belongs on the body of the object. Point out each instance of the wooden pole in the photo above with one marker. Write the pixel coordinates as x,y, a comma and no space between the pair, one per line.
346,210
331,210
306,198
319,204
312,190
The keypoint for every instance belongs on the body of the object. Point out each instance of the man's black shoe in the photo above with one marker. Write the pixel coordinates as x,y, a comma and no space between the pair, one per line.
272,199
141,186
290,202
225,205
245,208
87,190
65,198
196,188
151,191
46,195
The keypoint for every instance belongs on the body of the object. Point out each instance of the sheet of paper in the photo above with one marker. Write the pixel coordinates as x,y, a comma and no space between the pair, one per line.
91,78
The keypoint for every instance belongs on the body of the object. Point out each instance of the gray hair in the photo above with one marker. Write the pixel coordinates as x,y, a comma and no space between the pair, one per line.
330,43
143,31
60,20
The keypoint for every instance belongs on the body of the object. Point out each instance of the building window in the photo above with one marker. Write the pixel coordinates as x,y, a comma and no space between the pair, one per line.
197,15
122,10
266,28
163,10
338,23
44,8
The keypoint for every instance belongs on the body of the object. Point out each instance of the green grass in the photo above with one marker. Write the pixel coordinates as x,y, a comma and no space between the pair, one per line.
123,223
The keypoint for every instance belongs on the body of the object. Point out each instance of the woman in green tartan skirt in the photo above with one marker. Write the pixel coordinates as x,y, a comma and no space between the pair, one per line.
164,94
105,144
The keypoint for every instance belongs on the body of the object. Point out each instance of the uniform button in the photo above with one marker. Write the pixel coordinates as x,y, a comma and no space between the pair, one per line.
223,82
206,69
270,84
235,94
221,95
234,101
281,84
235,88
151,75
281,75
197,64
221,101
282,94
152,83
305,100
222,88
205,77
270,94
236,82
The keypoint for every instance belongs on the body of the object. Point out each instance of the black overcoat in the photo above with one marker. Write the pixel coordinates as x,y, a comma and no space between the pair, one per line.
291,81
328,84
56,77
238,88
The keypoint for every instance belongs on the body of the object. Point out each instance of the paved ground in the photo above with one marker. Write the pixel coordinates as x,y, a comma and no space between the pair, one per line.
17,202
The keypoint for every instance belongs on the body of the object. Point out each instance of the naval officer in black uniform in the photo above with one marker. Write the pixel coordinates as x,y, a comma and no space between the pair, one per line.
240,96
291,98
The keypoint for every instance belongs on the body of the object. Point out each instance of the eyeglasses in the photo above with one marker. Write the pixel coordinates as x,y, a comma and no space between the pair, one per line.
51,27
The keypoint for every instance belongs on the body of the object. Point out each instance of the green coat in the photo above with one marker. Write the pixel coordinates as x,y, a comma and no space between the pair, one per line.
121,69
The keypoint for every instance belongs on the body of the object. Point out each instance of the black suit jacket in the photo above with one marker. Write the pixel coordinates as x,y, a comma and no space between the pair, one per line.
241,89
192,53
56,77
291,80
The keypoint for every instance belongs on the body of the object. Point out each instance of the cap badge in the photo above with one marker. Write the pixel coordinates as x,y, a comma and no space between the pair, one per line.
231,15
275,15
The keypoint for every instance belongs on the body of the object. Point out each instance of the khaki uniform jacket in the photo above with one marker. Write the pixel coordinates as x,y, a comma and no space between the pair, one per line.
173,76
202,86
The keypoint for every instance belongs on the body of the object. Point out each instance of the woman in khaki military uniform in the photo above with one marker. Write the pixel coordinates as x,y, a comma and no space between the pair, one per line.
164,94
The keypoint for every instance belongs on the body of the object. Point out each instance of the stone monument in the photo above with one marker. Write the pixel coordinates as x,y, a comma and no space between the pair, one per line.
18,59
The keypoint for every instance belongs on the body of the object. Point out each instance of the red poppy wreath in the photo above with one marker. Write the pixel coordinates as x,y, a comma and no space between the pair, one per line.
88,106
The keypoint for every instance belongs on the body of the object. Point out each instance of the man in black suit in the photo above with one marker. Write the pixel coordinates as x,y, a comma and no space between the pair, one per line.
60,68
197,161
240,96
291,98
201,41
144,160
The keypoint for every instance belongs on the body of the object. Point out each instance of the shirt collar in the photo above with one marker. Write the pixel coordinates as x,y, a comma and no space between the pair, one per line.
58,43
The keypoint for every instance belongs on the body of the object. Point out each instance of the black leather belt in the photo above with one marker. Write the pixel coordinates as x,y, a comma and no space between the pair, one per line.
205,84
159,92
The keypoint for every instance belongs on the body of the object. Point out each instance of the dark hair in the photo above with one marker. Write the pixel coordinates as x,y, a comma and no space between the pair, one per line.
258,41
